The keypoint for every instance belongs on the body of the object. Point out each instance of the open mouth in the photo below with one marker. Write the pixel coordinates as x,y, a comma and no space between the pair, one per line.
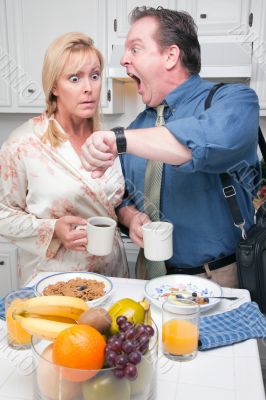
136,79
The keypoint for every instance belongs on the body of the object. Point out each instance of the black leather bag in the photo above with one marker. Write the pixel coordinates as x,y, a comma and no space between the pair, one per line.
251,249
251,260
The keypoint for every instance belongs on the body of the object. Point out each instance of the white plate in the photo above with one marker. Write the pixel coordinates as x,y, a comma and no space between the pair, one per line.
66,276
158,289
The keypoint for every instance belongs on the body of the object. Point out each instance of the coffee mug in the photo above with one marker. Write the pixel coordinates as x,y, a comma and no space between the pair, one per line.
158,240
100,232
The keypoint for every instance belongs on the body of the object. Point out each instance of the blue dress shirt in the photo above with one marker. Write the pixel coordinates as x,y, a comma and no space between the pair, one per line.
222,139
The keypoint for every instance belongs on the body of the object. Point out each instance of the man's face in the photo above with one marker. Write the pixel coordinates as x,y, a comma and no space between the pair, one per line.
145,61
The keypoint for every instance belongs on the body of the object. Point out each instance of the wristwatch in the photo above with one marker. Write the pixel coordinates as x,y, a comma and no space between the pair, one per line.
121,141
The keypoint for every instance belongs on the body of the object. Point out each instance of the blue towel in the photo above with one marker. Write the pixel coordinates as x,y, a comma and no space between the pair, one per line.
242,323
23,294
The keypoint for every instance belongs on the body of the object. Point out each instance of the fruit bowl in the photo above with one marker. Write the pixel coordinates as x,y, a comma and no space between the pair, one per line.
54,382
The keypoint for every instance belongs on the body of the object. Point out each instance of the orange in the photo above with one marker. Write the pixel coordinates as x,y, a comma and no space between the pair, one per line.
180,336
81,348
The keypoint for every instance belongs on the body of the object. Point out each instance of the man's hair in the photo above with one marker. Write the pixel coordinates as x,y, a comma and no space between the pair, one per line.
175,27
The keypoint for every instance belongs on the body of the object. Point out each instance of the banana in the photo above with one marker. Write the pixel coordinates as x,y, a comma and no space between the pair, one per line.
60,306
53,318
147,307
43,328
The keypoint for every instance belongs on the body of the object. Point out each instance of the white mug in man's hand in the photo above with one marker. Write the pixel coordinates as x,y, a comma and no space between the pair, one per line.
100,232
158,240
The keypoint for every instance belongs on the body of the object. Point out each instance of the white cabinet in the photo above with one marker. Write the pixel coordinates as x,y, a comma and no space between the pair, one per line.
118,12
8,268
258,35
5,91
213,17
32,26
216,17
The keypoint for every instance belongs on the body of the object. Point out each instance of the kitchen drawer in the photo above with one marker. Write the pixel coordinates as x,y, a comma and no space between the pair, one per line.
8,268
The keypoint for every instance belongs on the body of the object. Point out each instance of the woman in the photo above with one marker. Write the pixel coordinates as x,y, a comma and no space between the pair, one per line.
44,190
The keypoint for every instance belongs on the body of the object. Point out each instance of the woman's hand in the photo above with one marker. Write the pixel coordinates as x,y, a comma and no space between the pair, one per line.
99,152
135,227
71,238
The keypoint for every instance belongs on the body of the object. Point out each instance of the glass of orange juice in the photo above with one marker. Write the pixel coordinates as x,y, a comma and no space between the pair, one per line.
180,329
17,337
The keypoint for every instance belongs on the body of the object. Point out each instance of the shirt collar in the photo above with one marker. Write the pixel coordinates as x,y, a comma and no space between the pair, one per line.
180,93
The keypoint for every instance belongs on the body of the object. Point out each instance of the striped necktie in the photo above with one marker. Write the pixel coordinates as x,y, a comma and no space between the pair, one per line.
152,197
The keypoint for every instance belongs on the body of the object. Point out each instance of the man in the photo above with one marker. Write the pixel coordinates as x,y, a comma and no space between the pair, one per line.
162,54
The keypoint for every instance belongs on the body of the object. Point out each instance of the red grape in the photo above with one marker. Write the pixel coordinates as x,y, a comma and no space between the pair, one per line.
111,358
119,373
121,320
116,345
131,372
121,360
134,357
128,346
149,330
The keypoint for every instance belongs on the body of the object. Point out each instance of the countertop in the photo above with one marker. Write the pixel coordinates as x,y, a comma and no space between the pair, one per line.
228,373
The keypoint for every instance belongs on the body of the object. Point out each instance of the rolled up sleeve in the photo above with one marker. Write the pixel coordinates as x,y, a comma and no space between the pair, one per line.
224,134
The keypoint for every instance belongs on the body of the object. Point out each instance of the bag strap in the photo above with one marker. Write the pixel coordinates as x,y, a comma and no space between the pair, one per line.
214,89
229,189
262,145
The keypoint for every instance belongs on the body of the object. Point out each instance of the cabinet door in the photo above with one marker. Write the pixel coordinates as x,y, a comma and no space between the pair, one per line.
258,36
118,12
6,62
213,17
216,17
8,268
37,24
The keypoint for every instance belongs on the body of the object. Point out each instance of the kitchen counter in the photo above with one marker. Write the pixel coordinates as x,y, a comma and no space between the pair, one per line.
228,373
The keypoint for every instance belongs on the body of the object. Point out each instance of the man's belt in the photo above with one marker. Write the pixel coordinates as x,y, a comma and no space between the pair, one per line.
215,264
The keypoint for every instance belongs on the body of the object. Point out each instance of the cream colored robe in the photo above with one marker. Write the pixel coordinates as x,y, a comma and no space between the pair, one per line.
40,184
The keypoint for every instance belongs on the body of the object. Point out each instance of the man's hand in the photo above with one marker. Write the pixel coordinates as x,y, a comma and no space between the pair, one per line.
71,238
135,227
99,152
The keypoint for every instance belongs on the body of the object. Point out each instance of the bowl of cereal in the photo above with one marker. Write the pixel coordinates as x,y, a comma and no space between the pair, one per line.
94,288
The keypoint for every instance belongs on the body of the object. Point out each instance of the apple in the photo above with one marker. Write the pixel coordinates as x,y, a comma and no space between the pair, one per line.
145,369
129,308
50,384
106,386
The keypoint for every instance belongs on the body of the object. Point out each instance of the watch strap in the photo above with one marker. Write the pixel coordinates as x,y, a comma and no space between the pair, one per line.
121,141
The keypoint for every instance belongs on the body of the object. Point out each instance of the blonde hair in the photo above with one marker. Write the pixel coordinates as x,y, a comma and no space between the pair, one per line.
57,55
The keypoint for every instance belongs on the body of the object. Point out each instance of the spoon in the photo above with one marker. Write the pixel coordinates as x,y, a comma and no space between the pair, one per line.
183,296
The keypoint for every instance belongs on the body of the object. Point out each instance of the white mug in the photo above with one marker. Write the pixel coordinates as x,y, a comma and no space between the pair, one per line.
158,240
100,232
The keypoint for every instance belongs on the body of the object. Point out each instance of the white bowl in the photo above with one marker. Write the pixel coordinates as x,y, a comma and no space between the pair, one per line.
66,276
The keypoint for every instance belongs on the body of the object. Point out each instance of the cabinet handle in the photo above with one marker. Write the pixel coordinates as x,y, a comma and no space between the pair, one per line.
115,25
31,91
203,16
2,263
250,19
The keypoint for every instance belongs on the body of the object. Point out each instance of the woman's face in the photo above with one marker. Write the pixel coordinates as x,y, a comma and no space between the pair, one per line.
78,88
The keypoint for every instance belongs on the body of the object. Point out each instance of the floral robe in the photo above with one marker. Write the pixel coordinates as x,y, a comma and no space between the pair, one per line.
38,184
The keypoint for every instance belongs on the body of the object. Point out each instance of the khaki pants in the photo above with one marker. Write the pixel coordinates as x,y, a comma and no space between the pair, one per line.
225,276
